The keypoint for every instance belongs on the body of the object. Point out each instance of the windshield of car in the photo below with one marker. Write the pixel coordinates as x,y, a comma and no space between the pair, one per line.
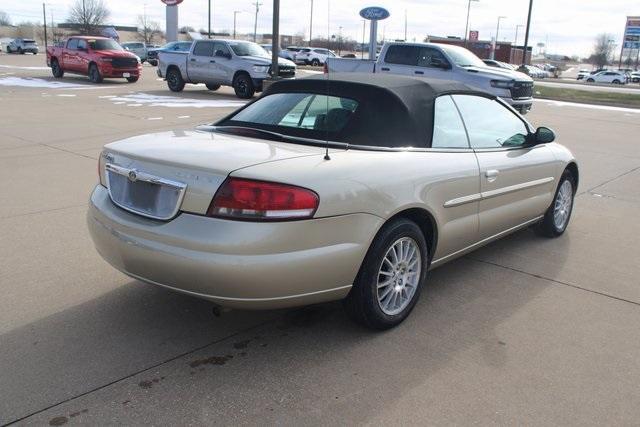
308,115
463,57
248,49
104,44
28,41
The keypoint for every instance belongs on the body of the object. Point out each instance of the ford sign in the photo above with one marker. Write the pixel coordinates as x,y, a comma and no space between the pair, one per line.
374,13
171,2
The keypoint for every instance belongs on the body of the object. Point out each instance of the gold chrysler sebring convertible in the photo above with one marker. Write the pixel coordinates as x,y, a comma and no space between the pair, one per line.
350,188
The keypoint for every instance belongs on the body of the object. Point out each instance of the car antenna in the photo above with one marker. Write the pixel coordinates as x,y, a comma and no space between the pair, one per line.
326,116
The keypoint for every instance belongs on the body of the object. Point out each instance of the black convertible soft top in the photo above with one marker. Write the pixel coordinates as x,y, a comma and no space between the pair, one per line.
393,111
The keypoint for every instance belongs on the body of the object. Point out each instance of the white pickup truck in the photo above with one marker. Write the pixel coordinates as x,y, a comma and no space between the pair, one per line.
446,62
240,64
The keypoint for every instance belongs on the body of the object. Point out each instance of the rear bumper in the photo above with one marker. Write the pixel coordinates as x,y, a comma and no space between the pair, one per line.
236,264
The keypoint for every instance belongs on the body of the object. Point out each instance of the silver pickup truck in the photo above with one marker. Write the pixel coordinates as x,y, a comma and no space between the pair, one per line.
446,62
240,64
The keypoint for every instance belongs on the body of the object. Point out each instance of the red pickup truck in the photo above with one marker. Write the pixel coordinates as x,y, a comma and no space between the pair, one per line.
96,57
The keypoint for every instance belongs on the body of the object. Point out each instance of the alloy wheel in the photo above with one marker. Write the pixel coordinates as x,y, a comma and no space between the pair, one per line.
399,276
562,205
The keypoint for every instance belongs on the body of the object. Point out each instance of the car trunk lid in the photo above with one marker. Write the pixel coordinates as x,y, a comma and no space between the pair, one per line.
157,175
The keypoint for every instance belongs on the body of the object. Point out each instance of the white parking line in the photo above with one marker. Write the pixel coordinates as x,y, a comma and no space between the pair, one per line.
42,83
15,67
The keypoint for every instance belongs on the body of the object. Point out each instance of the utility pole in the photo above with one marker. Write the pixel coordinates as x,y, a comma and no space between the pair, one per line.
526,35
339,40
44,15
275,40
255,24
235,14
311,24
466,29
209,17
85,21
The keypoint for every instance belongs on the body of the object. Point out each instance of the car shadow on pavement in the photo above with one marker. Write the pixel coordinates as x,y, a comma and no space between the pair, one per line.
140,326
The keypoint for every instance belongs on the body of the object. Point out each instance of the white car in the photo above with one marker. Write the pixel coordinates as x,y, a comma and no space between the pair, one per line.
314,56
614,77
635,77
583,74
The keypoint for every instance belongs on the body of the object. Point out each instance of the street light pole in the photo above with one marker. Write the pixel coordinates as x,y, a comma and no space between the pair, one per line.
526,35
515,44
235,14
466,29
311,24
495,44
405,25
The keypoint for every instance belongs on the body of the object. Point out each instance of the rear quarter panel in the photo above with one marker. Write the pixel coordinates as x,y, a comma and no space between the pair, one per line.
386,183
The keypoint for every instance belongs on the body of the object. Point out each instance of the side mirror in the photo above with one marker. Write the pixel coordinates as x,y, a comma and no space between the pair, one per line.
544,135
439,63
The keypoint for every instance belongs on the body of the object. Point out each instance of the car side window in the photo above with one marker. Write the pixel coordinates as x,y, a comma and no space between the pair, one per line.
428,56
82,44
222,47
402,55
448,129
73,44
489,123
203,49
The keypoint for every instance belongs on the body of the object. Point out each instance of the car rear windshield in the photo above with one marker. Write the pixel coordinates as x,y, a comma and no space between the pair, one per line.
248,49
104,45
308,115
28,41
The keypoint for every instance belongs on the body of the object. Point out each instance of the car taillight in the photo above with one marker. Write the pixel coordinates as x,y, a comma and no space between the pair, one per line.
250,200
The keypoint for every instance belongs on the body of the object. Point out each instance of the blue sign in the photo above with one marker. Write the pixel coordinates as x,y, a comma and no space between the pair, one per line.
374,13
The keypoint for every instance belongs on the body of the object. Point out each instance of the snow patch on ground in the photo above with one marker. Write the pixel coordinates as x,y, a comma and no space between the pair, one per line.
15,67
589,106
42,83
174,101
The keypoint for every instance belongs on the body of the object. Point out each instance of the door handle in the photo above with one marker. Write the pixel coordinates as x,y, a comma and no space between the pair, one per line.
213,61
193,59
491,174
419,72
384,69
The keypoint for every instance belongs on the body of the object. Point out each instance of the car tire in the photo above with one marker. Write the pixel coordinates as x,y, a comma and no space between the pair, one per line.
556,218
315,62
175,82
56,70
212,86
590,81
133,79
378,306
20,51
616,82
243,86
94,74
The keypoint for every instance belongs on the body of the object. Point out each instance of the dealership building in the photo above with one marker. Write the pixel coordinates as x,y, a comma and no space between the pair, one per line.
505,51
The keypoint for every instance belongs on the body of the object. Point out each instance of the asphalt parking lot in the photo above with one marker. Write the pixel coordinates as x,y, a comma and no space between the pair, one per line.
524,331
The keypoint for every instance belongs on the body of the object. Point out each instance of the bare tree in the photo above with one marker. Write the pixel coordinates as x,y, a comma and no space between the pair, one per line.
148,30
5,19
602,50
89,14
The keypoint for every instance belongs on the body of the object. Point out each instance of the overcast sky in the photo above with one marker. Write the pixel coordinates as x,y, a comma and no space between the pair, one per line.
566,26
